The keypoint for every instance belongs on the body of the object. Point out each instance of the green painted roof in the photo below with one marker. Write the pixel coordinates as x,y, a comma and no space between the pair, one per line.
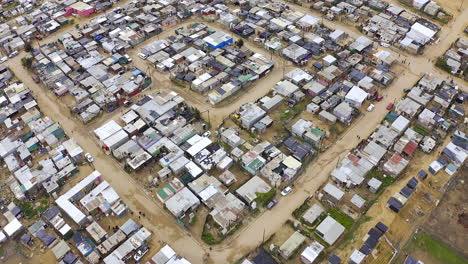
162,192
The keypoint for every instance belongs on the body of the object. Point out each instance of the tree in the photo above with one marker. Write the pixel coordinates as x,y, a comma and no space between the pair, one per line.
27,62
28,47
77,26
240,43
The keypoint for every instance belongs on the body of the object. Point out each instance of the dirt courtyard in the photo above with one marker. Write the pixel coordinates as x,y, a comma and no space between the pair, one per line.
444,220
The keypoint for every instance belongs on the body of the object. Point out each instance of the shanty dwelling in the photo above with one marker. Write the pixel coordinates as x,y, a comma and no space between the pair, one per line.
313,213
395,165
332,193
344,112
374,185
330,230
290,246
352,170
60,250
313,108
79,8
356,96
285,88
182,202
65,202
248,191
327,117
357,203
310,253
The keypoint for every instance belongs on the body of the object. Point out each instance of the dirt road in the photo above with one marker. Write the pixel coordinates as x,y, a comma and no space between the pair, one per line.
164,226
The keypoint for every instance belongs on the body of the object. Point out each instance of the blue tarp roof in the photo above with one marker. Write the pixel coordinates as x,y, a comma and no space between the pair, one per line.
365,249
372,242
394,204
422,174
334,259
382,227
412,183
374,232
406,192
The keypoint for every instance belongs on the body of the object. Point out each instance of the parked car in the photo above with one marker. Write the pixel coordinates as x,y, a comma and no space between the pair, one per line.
127,103
38,36
13,54
383,44
286,191
390,106
141,55
89,157
379,98
140,253
370,108
406,90
128,57
2,60
272,204
206,134
35,79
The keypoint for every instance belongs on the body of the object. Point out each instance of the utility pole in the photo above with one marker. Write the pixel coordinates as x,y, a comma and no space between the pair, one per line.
207,111
263,239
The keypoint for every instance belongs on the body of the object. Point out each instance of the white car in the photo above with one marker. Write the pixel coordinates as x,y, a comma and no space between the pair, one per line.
384,44
2,60
141,55
128,57
89,157
206,134
13,54
286,191
370,108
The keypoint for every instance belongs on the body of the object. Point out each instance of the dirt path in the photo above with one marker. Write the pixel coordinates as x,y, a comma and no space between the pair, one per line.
164,225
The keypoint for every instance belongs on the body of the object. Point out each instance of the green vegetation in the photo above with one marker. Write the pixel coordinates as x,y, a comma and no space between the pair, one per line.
240,43
264,198
301,210
320,240
193,220
379,175
423,132
291,112
30,211
334,129
341,217
28,47
13,5
350,235
437,249
442,64
208,238
27,62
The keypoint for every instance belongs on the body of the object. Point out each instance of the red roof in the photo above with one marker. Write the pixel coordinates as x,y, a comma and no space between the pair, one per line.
396,158
410,147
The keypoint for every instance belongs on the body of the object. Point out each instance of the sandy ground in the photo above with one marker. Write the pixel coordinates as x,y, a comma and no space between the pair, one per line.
444,220
160,222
